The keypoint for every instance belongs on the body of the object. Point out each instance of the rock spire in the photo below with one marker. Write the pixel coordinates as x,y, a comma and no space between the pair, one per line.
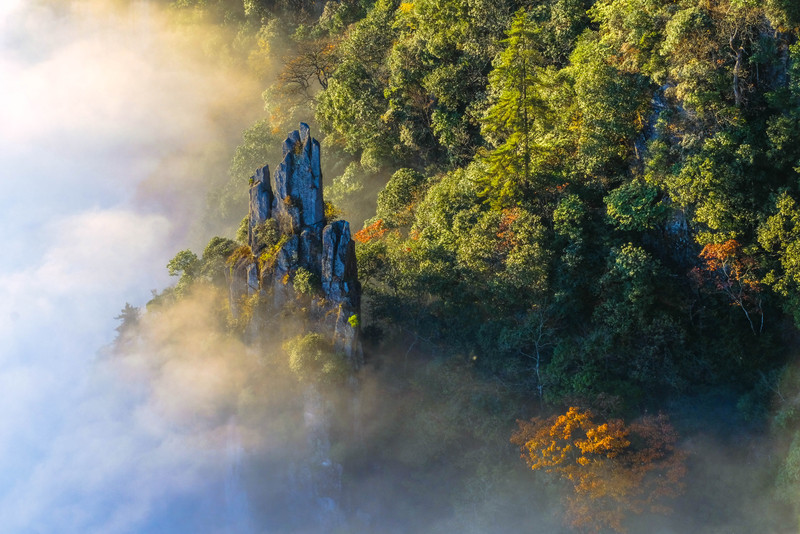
297,250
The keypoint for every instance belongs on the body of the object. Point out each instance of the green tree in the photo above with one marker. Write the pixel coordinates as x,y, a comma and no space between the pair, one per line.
185,265
517,115
610,105
561,22
213,266
351,108
636,206
784,13
397,200
780,237
129,318
438,71
722,186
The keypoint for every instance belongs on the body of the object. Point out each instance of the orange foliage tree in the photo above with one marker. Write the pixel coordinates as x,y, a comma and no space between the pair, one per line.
734,273
614,469
508,238
375,230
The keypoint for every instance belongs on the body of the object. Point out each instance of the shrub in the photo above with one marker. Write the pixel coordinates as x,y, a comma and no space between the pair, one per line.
305,282
313,359
354,321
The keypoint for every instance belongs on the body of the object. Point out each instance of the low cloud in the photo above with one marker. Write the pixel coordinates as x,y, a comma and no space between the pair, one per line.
118,103
157,427
91,259
113,126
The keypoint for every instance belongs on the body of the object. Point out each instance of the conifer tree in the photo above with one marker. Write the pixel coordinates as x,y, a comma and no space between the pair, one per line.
517,108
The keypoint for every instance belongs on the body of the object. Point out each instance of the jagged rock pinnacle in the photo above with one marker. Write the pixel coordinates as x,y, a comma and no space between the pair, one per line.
298,183
292,200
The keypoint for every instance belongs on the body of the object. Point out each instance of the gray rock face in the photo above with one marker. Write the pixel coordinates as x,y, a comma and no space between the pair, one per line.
261,200
298,183
244,282
658,104
338,261
238,286
311,251
287,261
293,198
252,279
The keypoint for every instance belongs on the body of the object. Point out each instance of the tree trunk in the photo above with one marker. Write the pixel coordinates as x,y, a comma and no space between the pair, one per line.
737,69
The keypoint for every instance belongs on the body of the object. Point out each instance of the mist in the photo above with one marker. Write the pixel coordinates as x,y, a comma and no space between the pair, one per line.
114,124
150,442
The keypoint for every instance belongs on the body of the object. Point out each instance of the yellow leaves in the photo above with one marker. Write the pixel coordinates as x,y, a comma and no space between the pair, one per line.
238,254
608,439
268,258
610,476
565,425
410,19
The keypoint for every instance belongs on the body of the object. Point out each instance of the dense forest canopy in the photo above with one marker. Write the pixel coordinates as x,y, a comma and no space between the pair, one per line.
575,203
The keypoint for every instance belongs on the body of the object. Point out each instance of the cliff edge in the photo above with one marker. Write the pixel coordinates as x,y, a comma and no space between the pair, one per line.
296,250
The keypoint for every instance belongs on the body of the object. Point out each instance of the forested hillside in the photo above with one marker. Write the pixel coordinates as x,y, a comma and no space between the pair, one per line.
579,214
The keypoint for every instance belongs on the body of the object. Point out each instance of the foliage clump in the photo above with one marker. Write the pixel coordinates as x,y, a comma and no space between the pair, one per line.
267,259
313,359
396,201
614,469
266,234
305,282
212,268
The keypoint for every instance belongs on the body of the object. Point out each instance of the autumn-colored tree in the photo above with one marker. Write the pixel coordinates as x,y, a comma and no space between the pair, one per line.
734,273
375,230
614,469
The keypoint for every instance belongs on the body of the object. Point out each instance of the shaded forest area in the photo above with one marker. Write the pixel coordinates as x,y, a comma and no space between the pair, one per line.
576,213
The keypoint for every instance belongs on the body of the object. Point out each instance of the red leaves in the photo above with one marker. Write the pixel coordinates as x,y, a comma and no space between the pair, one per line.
508,238
375,230
733,273
729,265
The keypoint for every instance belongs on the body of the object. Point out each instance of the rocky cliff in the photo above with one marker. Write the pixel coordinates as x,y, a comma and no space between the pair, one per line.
296,250
296,255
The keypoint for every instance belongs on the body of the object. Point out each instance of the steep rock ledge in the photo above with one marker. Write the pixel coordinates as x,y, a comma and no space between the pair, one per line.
297,256
291,241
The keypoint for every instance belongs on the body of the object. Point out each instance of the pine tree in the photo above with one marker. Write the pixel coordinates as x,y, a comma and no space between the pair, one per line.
516,112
